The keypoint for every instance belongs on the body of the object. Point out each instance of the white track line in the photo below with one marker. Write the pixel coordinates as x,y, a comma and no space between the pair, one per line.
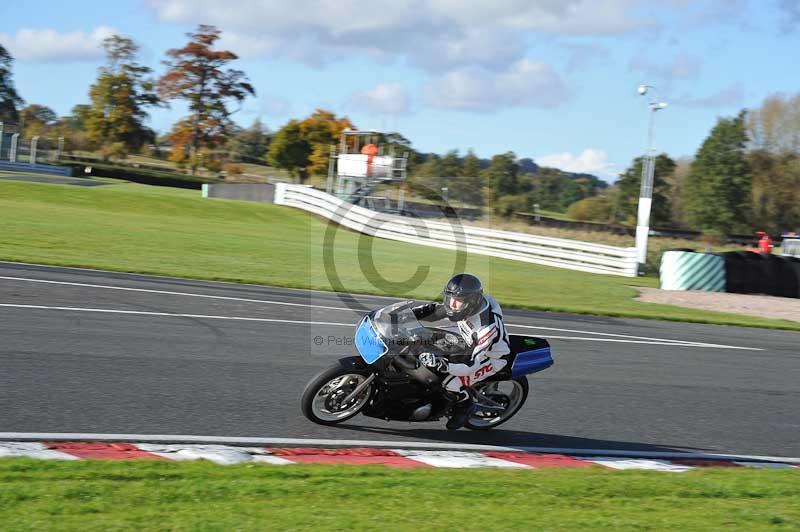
337,324
679,342
180,279
173,315
171,293
306,442
648,340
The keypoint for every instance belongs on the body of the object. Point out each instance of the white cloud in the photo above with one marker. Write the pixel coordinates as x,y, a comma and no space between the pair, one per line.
582,56
790,15
589,161
728,97
383,99
525,83
433,34
46,45
682,66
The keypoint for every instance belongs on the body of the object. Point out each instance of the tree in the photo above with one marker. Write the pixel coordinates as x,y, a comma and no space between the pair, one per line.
471,166
593,209
250,144
9,99
776,190
676,182
35,119
427,178
630,183
470,183
196,73
775,126
451,165
526,165
502,174
73,128
320,130
123,90
774,161
718,188
290,150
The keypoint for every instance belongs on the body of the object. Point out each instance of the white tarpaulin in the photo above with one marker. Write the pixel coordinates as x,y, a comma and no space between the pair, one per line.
356,164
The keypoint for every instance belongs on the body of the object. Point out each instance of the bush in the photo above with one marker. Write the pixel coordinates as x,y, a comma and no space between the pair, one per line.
594,209
232,169
509,204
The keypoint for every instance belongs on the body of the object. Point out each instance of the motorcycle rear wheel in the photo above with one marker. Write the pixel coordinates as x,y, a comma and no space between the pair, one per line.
321,401
513,396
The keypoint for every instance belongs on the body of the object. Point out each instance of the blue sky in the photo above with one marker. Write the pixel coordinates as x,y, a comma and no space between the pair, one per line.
554,80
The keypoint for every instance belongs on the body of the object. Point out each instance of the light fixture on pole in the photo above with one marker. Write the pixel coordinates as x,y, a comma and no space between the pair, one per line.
646,190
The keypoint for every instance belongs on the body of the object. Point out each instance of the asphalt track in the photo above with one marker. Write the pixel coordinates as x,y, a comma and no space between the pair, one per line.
100,352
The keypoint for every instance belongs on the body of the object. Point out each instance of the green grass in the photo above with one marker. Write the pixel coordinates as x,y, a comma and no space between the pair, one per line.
143,495
158,230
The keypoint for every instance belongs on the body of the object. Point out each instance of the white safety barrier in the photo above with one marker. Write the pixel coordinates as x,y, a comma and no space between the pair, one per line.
557,252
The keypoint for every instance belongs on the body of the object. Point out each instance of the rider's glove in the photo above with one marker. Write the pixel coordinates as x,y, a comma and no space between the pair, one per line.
431,361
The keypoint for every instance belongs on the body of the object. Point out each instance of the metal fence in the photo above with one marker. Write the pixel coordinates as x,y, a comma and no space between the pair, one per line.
14,148
556,252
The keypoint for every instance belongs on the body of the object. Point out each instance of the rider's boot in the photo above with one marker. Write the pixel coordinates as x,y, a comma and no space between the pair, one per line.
461,412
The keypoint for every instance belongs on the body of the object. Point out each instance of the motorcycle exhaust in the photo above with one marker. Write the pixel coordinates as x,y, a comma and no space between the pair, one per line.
422,413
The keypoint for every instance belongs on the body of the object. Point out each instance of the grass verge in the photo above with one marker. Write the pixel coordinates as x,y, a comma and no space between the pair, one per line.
144,495
164,231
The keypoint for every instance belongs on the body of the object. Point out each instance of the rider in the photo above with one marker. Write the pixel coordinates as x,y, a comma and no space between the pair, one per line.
479,320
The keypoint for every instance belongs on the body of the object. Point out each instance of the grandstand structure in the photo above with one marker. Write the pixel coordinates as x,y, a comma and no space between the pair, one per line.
360,163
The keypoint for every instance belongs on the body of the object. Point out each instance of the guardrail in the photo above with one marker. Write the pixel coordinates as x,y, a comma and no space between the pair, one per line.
547,251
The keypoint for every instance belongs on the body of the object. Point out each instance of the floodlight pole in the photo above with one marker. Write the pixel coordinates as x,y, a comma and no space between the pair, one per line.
646,190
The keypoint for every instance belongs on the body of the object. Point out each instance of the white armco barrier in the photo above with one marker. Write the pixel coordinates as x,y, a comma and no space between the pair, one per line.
557,252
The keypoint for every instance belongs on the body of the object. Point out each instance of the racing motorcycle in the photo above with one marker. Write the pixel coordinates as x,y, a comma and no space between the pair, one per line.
387,381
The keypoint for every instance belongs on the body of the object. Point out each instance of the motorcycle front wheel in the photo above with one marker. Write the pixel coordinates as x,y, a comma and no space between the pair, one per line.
509,395
324,398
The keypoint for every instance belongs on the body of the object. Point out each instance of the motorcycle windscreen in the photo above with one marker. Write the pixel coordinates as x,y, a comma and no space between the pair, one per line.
369,344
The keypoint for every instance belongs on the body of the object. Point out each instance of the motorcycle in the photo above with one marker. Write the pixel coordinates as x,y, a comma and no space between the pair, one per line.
387,380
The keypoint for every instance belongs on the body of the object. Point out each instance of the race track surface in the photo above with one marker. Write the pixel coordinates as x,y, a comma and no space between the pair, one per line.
99,352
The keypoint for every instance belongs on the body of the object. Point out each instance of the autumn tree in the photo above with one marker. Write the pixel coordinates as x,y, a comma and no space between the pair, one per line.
321,130
774,161
74,128
718,189
9,99
36,120
119,98
676,182
630,183
196,73
303,147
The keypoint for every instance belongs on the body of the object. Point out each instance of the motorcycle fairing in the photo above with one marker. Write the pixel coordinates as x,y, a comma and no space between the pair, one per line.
531,354
368,342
